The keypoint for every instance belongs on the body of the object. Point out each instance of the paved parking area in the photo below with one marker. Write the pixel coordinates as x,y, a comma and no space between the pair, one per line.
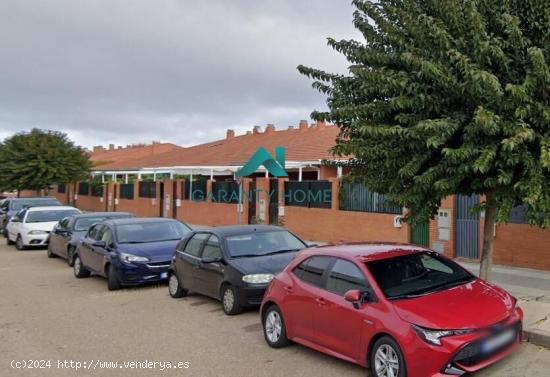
47,314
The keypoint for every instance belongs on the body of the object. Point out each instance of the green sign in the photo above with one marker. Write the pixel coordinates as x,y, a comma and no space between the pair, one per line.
275,166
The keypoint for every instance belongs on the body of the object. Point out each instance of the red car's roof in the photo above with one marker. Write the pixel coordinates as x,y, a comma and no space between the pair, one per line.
367,252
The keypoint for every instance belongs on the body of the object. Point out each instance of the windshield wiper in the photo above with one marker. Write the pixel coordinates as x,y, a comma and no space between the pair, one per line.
247,255
281,251
409,295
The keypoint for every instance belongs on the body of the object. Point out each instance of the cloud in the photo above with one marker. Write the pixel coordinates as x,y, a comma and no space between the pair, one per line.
181,71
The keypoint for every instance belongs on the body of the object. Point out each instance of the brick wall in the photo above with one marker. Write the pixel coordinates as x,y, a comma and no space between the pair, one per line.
522,245
334,226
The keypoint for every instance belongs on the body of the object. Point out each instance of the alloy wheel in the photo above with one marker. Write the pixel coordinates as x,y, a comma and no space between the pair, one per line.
173,284
386,361
228,300
273,326
77,265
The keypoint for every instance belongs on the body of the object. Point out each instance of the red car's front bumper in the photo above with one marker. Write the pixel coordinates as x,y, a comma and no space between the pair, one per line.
458,355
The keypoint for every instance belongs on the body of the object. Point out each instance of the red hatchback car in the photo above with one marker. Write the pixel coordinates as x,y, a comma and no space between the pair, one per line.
400,309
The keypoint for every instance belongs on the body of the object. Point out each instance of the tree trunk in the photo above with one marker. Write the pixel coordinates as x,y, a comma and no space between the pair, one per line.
488,240
18,193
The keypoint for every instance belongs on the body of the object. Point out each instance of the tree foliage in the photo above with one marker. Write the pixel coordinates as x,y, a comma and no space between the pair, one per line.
40,158
446,97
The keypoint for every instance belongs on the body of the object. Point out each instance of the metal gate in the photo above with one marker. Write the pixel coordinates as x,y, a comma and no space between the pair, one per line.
467,227
420,234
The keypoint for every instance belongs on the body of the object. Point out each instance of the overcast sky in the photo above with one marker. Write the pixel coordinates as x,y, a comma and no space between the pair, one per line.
170,70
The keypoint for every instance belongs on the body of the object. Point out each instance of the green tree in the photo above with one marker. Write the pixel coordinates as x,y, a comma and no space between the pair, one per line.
447,97
36,159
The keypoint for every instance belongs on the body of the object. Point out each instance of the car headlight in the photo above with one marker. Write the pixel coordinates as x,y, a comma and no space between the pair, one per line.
129,258
434,336
258,278
37,232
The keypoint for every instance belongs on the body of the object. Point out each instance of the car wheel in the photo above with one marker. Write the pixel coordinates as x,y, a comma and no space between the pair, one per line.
79,270
19,245
386,359
70,256
113,283
274,328
174,287
49,252
8,241
230,301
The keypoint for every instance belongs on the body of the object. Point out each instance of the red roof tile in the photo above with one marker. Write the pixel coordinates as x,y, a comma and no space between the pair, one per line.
302,144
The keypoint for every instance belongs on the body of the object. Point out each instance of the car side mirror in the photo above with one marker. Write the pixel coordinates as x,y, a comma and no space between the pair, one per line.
354,296
14,220
99,244
211,260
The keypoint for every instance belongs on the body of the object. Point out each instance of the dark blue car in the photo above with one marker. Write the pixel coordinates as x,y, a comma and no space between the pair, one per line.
130,251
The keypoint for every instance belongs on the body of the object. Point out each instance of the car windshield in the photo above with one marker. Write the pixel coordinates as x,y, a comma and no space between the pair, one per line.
417,274
262,243
49,215
20,204
83,224
151,232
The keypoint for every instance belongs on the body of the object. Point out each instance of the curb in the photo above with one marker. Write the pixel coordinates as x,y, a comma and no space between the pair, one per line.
538,337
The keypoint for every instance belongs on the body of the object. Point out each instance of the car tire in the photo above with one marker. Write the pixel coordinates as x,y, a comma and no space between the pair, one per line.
174,287
385,354
70,256
230,301
113,284
49,252
19,245
274,328
9,242
78,268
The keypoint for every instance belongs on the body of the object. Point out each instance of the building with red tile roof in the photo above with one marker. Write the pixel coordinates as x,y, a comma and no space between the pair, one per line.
306,146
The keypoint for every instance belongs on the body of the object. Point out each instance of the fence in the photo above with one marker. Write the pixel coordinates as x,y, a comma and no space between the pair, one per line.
225,192
127,191
310,194
199,190
147,189
97,190
357,197
83,188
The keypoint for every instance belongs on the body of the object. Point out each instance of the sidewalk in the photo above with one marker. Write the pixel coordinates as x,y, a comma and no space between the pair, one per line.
532,288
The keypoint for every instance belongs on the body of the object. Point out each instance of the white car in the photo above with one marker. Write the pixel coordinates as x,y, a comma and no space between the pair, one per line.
32,226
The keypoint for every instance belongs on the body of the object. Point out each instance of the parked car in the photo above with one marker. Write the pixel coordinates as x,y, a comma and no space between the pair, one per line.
67,232
130,251
10,206
32,226
402,310
233,264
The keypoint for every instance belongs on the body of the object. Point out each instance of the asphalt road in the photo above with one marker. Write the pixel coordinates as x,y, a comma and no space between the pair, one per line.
47,314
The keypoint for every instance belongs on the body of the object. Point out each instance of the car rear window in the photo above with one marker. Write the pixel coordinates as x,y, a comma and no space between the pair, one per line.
312,269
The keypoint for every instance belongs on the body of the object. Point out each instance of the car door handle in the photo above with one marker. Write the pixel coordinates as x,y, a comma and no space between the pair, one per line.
288,289
320,301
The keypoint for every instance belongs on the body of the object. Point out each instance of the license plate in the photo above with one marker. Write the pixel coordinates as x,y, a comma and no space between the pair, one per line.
498,341
164,275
